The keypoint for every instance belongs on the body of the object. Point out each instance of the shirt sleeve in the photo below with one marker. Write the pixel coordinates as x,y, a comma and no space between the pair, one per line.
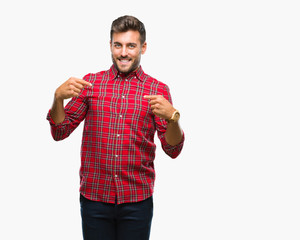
161,127
75,112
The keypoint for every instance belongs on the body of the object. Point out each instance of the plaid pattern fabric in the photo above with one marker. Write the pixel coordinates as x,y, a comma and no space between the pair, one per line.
118,149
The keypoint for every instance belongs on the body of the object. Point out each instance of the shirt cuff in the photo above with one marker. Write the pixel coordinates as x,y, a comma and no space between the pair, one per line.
53,124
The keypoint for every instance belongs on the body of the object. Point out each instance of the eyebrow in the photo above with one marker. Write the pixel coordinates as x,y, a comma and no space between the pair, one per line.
131,43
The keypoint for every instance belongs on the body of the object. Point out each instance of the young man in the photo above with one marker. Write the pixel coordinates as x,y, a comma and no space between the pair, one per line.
123,108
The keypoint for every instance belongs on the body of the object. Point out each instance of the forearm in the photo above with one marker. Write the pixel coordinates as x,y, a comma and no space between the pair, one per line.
57,111
173,133
163,109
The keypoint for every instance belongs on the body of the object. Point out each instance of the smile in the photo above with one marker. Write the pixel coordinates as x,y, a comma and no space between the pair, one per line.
124,60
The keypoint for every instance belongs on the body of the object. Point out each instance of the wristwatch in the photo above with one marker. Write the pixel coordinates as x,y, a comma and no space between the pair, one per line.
175,116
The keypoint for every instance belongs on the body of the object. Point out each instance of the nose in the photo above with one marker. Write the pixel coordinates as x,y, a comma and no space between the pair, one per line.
124,51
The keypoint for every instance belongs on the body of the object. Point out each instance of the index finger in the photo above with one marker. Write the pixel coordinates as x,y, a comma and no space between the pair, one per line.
83,82
151,97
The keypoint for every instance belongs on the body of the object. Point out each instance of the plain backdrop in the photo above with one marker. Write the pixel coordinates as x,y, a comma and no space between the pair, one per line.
233,71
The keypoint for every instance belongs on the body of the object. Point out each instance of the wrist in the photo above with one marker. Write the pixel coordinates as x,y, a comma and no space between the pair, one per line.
174,117
58,97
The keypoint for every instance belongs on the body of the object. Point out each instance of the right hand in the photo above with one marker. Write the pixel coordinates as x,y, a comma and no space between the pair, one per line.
71,88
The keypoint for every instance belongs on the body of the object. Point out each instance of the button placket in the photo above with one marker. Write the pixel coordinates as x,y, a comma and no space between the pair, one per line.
119,116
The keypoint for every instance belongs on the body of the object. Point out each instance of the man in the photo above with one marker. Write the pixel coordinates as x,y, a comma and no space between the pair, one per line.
123,108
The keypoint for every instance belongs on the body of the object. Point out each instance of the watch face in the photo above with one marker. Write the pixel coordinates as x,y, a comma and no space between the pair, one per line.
177,115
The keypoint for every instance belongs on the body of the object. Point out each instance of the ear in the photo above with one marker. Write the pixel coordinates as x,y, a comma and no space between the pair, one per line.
110,45
144,48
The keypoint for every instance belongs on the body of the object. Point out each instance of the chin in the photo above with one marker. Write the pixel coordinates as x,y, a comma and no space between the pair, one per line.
125,70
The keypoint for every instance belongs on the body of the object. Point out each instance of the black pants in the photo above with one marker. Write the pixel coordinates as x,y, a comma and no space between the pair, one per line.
106,221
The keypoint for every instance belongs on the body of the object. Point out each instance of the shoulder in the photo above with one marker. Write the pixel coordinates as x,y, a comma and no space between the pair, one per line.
93,77
159,86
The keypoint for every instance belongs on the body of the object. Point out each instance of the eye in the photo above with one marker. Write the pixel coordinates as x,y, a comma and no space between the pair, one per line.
117,45
131,46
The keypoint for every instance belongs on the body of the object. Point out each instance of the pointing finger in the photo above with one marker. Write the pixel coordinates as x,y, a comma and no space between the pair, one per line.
83,82
151,97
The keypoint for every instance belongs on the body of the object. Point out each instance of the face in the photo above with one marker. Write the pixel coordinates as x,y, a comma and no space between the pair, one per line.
126,50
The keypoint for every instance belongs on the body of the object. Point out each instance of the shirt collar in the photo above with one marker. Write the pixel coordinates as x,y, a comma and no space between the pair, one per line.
139,73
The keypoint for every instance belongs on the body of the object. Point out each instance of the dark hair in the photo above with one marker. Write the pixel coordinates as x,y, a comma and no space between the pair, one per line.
126,23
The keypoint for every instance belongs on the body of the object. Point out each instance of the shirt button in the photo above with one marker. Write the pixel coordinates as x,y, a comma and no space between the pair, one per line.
120,116
123,96
118,135
116,176
117,156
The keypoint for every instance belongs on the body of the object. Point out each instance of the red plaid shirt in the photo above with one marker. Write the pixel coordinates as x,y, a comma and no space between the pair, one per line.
118,149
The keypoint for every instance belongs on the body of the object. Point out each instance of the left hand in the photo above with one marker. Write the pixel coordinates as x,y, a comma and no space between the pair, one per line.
160,106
